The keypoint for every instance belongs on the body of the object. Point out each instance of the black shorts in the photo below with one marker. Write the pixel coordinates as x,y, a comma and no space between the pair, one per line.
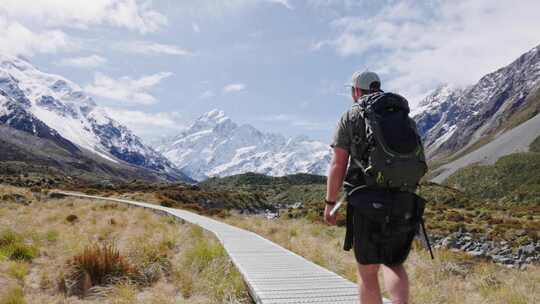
381,225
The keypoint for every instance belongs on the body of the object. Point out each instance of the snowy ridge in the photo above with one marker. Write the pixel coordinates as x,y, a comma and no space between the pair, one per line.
216,146
31,97
452,119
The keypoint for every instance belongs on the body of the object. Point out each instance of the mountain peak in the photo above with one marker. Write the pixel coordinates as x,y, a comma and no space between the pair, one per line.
51,106
210,120
216,146
213,115
476,111
440,93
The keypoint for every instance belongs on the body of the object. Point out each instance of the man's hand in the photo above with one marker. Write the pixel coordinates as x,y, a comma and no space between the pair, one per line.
336,173
329,219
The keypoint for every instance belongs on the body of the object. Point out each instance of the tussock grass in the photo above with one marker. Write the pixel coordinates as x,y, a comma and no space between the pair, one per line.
18,270
13,296
204,265
97,265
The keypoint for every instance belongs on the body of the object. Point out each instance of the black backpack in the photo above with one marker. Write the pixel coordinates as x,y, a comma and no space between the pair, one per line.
391,154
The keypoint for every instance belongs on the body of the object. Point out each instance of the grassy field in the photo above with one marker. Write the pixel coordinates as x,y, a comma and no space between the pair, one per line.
84,251
449,209
452,278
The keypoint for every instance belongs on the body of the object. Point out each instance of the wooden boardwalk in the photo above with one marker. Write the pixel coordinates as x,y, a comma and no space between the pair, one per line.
273,274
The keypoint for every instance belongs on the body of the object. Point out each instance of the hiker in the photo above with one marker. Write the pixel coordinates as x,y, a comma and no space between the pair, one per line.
379,160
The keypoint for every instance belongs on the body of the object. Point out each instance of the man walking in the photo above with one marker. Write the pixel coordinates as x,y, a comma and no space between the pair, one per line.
379,160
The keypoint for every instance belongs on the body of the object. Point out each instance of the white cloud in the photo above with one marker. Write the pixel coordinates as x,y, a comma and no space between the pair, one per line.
151,48
128,14
87,62
285,3
28,27
16,39
335,3
214,8
126,89
297,121
195,28
234,87
207,94
418,47
145,123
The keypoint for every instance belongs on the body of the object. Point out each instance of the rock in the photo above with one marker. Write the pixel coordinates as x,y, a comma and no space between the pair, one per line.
503,260
448,242
466,246
528,249
297,205
478,253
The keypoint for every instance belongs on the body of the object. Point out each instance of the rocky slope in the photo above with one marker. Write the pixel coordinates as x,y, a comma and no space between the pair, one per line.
513,141
51,107
214,145
454,121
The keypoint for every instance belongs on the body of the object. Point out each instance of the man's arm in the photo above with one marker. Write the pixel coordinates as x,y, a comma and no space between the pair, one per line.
338,168
336,174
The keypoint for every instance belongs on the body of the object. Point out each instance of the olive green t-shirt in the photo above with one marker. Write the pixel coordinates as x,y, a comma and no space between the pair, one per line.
343,138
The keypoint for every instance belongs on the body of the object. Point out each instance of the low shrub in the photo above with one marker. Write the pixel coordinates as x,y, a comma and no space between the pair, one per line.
91,191
13,247
72,218
193,207
167,203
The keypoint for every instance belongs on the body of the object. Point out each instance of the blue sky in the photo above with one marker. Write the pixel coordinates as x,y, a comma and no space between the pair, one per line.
279,65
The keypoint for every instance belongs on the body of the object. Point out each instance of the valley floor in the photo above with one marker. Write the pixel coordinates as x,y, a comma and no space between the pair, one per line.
196,269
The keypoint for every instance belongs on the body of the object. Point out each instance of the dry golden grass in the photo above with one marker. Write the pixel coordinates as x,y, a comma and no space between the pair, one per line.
179,262
452,278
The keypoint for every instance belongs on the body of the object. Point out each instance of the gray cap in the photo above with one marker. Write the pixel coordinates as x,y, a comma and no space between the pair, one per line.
363,80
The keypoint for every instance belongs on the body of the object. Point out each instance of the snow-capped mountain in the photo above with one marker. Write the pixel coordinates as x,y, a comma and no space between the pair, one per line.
52,107
453,120
216,146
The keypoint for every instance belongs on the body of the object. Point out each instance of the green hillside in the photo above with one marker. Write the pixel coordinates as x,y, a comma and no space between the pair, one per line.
535,145
307,189
256,179
513,178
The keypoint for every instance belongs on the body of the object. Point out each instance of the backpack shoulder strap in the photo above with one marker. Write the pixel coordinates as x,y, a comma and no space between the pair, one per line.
358,130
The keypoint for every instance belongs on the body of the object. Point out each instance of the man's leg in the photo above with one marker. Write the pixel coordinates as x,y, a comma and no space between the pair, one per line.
397,283
368,284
